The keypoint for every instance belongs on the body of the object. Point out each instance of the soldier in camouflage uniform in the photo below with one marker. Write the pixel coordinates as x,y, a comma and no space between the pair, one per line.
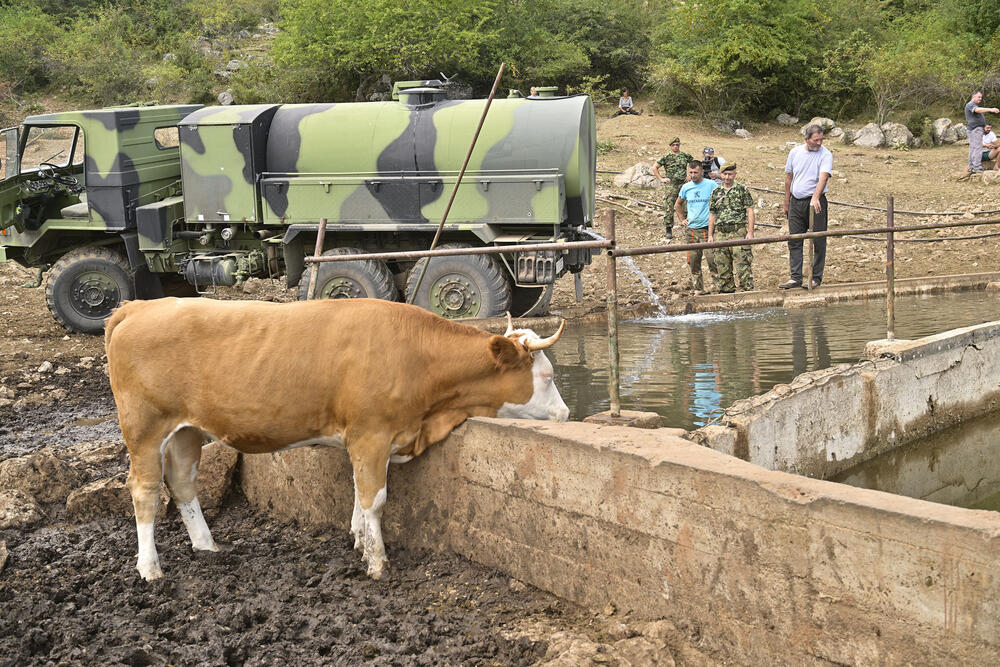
731,216
674,166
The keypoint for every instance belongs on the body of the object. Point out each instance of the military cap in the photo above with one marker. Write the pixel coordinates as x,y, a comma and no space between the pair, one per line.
675,140
729,167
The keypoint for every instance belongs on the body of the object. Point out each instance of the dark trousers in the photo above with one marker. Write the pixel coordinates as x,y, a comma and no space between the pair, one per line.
798,223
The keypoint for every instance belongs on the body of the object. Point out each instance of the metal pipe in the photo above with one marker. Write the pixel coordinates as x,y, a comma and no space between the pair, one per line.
458,181
447,252
320,240
807,274
890,273
681,247
613,367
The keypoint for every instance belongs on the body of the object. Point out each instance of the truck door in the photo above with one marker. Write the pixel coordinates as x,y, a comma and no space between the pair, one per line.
10,190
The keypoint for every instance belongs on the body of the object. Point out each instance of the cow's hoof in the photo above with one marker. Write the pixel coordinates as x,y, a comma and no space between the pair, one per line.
377,570
150,571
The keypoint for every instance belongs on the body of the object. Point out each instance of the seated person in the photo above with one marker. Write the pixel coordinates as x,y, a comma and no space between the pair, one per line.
712,165
625,105
991,146
533,93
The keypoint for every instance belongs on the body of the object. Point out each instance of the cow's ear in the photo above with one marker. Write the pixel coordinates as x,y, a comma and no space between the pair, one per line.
504,351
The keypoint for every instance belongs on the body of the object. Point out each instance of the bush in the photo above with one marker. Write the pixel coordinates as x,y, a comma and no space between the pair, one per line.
25,34
95,62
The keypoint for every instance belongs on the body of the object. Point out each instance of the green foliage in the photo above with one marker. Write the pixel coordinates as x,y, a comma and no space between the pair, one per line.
94,59
224,17
605,147
25,33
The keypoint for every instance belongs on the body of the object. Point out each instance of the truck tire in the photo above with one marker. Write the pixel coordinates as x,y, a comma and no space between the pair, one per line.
85,285
361,279
531,301
460,286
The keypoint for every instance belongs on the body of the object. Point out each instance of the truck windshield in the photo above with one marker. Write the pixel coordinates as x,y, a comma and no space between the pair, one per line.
55,145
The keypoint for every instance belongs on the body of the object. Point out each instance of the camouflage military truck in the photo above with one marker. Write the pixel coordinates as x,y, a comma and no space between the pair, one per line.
130,202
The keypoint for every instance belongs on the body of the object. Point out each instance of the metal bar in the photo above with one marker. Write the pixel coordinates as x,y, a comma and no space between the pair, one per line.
320,240
890,273
613,365
446,252
681,247
807,273
458,181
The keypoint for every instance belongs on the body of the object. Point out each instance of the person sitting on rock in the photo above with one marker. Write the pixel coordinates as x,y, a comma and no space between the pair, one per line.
711,165
991,146
625,105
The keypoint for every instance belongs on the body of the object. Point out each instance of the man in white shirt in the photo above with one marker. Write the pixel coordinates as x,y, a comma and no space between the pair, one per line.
807,171
991,147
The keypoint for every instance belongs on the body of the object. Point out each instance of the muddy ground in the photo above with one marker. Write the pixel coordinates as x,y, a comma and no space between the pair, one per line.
277,593
69,593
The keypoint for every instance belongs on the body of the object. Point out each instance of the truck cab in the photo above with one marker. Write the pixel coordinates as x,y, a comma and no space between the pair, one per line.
72,184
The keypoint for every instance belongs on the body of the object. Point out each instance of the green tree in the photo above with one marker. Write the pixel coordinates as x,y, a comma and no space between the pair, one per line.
97,61
25,33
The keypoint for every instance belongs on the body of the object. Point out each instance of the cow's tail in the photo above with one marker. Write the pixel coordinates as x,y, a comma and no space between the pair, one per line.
117,316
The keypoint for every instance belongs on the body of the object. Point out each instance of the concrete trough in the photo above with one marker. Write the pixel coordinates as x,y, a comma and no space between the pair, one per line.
827,421
766,566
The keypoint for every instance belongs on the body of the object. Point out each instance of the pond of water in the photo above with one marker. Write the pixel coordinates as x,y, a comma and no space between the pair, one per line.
689,368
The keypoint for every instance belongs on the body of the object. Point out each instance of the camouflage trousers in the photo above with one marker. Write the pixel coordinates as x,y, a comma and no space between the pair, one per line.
670,192
694,259
733,262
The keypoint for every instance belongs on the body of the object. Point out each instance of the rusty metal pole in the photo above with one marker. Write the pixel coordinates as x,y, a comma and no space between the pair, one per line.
613,374
807,274
890,274
320,240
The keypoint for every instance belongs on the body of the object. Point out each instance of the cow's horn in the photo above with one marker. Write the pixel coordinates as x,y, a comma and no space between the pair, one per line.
510,325
533,345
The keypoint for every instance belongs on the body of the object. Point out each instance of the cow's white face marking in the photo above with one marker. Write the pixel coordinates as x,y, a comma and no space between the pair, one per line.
545,402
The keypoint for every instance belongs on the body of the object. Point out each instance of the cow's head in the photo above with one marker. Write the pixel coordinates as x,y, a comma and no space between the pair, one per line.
545,401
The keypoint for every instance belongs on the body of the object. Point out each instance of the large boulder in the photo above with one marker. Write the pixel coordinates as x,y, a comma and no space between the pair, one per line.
897,135
638,176
961,131
847,136
215,476
99,498
743,133
18,509
942,132
41,475
826,123
870,136
785,119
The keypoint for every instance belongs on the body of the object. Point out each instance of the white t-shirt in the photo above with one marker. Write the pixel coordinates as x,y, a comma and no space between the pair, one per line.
989,138
806,166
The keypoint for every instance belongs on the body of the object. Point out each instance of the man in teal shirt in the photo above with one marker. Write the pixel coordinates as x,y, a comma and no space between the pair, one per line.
697,193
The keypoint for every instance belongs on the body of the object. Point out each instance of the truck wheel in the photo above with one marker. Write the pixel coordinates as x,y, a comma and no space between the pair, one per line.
85,285
531,301
460,286
361,279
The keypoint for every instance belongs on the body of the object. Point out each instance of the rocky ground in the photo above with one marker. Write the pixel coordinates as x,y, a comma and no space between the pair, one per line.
921,179
281,593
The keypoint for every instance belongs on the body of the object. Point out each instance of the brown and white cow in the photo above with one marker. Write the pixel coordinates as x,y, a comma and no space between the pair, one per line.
384,380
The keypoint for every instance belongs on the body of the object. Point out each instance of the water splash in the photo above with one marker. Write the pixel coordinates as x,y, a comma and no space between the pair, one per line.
634,268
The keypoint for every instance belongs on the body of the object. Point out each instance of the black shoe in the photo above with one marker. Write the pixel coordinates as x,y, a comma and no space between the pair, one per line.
791,284
815,283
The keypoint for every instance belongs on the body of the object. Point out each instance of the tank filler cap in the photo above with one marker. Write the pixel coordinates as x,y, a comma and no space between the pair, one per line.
421,97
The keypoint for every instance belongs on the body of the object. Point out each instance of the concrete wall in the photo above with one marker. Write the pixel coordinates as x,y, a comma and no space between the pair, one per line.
827,421
766,566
